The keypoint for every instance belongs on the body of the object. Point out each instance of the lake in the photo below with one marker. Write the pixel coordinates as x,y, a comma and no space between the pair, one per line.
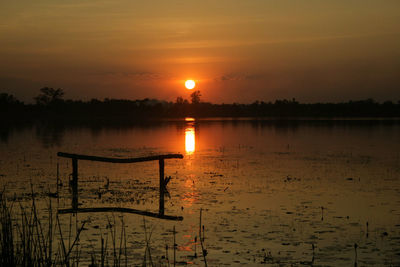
276,192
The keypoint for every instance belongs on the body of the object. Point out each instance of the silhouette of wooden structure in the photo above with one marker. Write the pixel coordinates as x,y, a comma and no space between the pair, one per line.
162,186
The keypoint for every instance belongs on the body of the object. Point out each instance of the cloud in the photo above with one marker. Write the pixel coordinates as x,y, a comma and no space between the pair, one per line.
239,77
232,43
134,75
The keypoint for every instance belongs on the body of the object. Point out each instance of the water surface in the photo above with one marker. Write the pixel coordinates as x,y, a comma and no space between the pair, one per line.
269,190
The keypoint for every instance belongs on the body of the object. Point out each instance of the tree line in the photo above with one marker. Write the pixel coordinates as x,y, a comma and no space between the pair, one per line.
50,103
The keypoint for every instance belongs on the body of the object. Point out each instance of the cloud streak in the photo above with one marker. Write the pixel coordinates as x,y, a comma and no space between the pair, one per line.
134,75
239,77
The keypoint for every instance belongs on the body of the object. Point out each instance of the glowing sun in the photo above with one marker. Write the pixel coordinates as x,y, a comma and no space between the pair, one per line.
190,84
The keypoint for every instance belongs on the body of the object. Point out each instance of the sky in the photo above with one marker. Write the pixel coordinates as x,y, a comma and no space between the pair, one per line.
235,50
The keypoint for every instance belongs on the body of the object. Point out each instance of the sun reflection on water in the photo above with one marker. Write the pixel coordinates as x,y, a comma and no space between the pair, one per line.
190,143
189,119
191,195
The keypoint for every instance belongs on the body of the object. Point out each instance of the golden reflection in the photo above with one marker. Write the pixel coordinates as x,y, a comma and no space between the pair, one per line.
190,196
190,144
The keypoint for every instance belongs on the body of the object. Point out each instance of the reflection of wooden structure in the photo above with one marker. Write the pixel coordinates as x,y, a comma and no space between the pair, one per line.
74,184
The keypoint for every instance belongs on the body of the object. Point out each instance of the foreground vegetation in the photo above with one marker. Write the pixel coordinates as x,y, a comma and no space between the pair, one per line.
28,238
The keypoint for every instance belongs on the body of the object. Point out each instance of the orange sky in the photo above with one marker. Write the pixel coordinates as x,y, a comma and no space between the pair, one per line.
237,51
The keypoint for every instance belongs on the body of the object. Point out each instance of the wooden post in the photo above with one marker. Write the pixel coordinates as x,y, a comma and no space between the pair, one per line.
74,183
162,186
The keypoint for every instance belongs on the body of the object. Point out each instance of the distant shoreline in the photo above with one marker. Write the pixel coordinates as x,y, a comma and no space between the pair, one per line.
121,110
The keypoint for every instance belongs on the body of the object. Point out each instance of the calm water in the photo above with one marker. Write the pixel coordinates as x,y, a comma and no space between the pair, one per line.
269,190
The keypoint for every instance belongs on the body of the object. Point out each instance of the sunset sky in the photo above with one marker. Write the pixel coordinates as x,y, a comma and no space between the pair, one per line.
236,51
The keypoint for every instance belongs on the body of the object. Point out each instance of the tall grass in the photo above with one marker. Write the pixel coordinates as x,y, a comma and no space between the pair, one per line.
28,238
28,241
25,240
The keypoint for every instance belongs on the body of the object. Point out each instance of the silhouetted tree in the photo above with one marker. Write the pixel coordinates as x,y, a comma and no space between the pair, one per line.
49,96
10,103
195,96
7,99
179,100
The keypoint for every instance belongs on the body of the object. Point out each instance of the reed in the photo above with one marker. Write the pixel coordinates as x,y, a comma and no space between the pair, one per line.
201,236
27,240
147,259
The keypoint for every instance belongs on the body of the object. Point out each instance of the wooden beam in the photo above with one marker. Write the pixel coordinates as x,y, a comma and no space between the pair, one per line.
119,160
126,210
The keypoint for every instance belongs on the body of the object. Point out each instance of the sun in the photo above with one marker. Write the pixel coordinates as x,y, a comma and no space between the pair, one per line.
190,84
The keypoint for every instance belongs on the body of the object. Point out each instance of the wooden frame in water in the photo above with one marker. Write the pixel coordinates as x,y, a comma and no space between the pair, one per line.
162,185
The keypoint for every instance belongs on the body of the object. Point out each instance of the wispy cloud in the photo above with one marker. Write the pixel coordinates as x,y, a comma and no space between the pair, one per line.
217,43
239,77
134,75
